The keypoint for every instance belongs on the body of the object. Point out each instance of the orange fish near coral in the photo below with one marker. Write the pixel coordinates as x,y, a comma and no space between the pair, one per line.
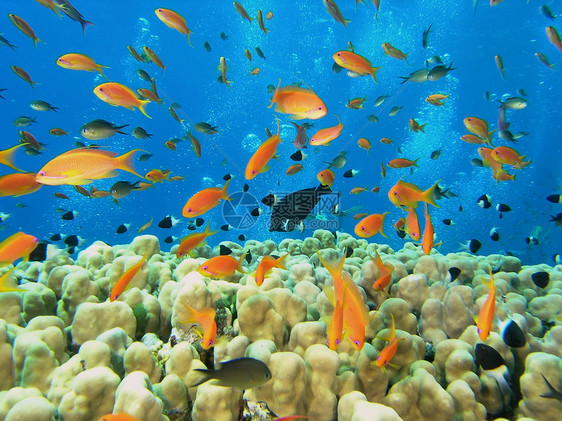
371,225
174,20
428,232
7,283
267,263
389,351
18,184
125,279
121,416
486,315
221,266
82,166
267,150
192,241
206,318
324,137
75,61
120,96
404,194
385,273
355,63
24,27
16,246
205,200
412,224
298,102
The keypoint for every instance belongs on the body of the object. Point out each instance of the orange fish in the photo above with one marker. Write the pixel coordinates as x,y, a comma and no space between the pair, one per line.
364,144
416,127
324,137
478,127
388,352
502,175
509,156
293,169
151,96
23,74
221,266
269,15
51,4
360,215
82,165
7,157
156,175
554,37
75,61
486,315
258,163
174,20
55,131
142,228
256,71
404,194
488,161
30,140
412,224
371,225
119,95
170,145
125,279
427,241
326,177
386,140
24,27
436,99
385,273
7,282
153,57
206,318
204,200
121,416
394,52
298,102
355,103
402,163
357,190
356,64
267,263
383,170
473,139
16,246
191,241
400,224
18,184
376,189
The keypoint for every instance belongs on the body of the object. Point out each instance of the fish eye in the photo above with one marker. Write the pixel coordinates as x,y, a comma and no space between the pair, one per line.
338,341
205,267
188,209
41,173
320,108
339,54
363,228
357,343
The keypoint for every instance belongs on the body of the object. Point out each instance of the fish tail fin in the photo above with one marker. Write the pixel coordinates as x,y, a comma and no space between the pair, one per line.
240,267
422,127
35,41
335,267
275,95
428,194
142,107
189,37
99,69
208,231
7,157
224,190
6,284
345,22
84,23
374,71
126,162
382,224
281,261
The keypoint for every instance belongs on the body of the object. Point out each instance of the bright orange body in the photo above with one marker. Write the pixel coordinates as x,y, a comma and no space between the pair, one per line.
18,184
508,156
205,200
404,194
389,351
355,63
298,102
478,127
326,177
428,232
267,263
324,137
486,315
120,96
125,279
75,61
174,20
385,275
265,152
192,241
221,266
206,318
121,416
16,246
402,163
371,225
412,224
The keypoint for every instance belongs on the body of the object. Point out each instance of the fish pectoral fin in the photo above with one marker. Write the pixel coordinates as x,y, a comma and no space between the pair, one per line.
108,174
265,168
79,182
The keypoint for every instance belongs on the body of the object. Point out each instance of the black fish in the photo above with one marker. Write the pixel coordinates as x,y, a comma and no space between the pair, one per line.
501,207
425,36
71,250
248,257
513,336
168,239
454,273
448,221
348,251
55,237
298,156
487,357
255,212
167,222
290,211
557,219
191,226
225,227
242,237
494,234
199,222
532,241
460,208
555,198
71,240
246,187
224,250
484,201
227,177
39,253
350,173
541,279
269,200
121,229
69,216
401,233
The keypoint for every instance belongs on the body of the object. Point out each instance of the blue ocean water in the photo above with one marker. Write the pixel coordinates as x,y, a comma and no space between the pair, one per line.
299,48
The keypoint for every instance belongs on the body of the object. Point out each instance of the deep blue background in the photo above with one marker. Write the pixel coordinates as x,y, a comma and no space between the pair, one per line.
299,47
